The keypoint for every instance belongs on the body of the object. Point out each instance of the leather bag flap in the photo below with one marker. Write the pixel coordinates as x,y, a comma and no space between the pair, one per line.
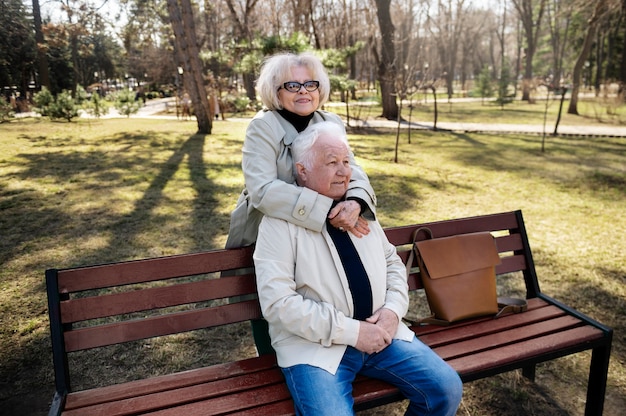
449,256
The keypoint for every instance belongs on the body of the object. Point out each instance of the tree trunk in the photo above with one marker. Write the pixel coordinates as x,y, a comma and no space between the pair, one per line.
181,18
622,69
386,64
42,58
530,15
584,53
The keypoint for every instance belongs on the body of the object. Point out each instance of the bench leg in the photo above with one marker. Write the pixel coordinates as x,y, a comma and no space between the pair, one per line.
596,385
529,372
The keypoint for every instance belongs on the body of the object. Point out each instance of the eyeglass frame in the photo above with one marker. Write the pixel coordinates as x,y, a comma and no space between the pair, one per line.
316,84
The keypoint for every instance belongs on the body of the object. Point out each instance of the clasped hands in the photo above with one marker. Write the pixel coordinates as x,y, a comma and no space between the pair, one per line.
377,331
346,216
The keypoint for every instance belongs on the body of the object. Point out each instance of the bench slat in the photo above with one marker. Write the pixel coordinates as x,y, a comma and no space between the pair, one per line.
537,311
169,382
155,326
495,222
519,351
149,270
507,337
219,390
228,404
282,408
81,309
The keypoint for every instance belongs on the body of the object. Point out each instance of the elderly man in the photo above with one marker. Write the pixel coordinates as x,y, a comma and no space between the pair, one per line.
334,302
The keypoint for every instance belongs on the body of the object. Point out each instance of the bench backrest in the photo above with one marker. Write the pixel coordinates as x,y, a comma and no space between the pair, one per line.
103,305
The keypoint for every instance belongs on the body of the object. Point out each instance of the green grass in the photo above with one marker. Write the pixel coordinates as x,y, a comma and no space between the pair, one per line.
601,111
101,191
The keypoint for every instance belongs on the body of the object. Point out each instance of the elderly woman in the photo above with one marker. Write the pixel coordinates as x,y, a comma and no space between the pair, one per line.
293,88
334,302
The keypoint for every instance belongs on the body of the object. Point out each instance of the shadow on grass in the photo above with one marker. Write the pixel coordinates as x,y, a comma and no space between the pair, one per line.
71,198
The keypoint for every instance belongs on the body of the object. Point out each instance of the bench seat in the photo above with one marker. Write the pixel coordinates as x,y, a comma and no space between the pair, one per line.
476,349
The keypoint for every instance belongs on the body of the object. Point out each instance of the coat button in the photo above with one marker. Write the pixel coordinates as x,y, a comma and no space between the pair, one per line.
302,211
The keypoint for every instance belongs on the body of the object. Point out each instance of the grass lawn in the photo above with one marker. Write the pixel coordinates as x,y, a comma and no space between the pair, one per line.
91,192
597,111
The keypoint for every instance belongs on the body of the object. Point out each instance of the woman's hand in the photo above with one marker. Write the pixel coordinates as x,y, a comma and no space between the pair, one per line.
346,216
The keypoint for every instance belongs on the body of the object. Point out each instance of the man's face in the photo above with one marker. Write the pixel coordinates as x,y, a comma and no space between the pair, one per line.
330,171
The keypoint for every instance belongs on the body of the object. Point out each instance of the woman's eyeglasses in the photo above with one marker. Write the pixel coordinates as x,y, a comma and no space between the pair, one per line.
294,86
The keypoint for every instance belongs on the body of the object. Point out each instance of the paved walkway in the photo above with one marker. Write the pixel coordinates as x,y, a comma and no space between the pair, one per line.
157,109
598,131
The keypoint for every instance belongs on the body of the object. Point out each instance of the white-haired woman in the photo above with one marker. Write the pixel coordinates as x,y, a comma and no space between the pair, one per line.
293,88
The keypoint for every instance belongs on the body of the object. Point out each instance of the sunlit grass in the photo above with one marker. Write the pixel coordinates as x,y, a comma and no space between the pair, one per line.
592,111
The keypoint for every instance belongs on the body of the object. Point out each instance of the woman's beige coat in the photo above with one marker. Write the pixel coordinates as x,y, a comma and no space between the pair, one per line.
305,295
270,181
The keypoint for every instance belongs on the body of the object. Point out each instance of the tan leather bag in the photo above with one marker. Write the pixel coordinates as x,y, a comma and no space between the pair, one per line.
458,274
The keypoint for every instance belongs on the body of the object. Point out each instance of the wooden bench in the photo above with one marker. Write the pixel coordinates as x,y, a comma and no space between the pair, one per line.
90,307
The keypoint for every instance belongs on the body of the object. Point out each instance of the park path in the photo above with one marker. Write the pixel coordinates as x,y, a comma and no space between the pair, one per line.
156,108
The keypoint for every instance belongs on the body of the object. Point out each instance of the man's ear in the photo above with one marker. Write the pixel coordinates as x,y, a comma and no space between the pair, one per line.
301,171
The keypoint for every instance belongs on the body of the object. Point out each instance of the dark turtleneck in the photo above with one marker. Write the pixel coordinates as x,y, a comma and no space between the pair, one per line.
298,121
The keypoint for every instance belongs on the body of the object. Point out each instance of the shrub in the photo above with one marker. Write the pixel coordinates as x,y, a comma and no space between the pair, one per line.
125,103
6,112
235,103
62,106
96,106
43,100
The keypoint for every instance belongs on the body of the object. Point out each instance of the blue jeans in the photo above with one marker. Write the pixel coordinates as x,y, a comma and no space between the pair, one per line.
429,383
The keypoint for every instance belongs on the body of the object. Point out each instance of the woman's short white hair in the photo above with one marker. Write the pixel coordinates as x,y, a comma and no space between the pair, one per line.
304,142
276,70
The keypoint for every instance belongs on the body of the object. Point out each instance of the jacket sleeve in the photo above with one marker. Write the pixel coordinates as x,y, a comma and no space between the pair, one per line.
282,306
279,198
271,185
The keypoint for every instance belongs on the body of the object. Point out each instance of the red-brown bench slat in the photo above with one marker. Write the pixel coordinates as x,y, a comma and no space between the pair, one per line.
183,396
524,350
169,382
149,270
495,340
484,327
101,306
155,326
228,404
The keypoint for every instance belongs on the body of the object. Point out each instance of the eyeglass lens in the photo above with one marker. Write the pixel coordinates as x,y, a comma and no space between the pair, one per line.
294,86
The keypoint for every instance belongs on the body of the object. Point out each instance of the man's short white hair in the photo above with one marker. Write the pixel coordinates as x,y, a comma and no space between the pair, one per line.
304,142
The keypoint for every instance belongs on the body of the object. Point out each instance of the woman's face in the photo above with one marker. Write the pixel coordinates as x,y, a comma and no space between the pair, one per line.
302,102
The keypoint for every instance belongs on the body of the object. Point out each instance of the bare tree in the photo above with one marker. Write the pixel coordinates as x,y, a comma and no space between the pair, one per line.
447,27
558,18
622,71
42,58
181,17
386,60
530,13
598,11
242,20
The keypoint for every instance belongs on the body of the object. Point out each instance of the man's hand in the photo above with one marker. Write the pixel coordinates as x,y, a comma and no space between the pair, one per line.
372,338
386,319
